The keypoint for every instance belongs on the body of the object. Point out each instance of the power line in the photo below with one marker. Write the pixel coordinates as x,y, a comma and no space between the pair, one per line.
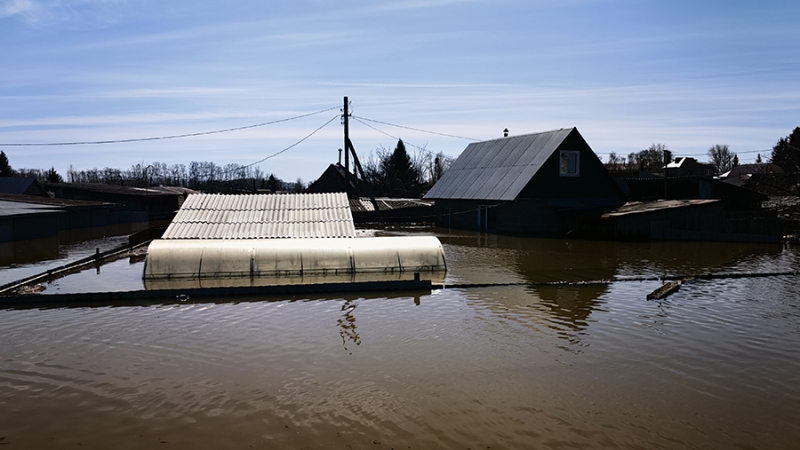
393,137
287,148
414,129
177,136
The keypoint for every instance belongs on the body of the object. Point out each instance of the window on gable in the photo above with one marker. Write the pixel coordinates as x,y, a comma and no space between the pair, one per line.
570,163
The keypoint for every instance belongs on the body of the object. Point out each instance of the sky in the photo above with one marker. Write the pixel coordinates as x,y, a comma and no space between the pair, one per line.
626,73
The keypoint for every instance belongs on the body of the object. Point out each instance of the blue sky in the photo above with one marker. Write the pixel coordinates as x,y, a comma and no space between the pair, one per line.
689,74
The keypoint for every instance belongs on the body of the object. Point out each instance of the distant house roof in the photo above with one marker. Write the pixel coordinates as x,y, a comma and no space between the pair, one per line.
216,216
21,186
685,166
335,179
741,174
498,169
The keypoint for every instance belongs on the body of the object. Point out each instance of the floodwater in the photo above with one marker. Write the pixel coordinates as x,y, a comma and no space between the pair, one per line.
35,257
714,366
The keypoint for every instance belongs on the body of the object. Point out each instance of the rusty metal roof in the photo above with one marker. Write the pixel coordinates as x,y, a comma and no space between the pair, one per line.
217,216
498,169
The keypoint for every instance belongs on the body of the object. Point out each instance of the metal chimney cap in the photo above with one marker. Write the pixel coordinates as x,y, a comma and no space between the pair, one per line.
505,132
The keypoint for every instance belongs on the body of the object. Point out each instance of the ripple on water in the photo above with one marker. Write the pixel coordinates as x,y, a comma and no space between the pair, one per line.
591,366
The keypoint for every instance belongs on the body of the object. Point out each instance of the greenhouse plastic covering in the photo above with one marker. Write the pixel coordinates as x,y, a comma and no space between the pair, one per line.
216,258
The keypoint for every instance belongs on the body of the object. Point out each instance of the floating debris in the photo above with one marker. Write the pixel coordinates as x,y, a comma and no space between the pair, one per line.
32,289
665,290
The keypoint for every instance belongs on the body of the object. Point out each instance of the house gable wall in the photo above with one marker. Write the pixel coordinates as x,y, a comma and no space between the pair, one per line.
593,181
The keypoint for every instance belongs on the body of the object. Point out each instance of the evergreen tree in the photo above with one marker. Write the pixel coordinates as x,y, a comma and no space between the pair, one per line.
5,167
786,154
400,176
53,176
274,184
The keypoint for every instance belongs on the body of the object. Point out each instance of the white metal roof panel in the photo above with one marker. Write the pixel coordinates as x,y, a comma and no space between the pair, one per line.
218,216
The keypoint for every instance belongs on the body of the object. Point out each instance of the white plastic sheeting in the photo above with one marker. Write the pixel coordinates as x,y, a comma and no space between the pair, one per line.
211,258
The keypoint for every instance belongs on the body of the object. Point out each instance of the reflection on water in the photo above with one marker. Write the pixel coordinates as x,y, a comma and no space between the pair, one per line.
714,366
26,252
23,259
514,259
347,325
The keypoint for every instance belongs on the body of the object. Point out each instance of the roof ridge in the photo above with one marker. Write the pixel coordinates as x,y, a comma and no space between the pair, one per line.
528,134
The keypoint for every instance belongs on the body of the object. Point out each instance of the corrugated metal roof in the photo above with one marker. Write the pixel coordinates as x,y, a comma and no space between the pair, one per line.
218,216
497,169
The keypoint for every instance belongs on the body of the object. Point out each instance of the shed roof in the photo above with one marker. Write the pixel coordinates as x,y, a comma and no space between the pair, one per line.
52,202
16,208
498,169
116,189
216,216
18,185
656,205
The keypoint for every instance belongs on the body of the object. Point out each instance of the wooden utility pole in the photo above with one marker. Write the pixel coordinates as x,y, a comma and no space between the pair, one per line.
346,117
348,147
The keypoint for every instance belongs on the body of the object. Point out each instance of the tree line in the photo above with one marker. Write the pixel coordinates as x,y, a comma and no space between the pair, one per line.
388,173
197,175
654,158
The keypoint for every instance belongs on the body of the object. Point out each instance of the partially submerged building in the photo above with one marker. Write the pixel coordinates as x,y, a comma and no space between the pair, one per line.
532,184
688,220
284,238
158,203
32,227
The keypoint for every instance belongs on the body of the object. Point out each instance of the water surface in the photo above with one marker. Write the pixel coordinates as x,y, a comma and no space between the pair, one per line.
716,365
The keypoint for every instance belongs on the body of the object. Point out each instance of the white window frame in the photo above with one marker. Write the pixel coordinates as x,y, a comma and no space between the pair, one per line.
564,163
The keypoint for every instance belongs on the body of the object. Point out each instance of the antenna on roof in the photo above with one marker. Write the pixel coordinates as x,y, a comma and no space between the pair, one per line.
505,132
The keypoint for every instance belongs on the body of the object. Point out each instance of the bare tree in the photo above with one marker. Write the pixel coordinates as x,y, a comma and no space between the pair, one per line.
721,157
615,162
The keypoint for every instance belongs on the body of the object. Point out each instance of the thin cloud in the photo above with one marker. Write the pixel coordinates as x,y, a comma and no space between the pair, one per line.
10,8
68,13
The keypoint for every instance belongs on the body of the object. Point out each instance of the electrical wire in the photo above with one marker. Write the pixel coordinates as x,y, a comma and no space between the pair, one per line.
177,136
287,148
413,129
357,119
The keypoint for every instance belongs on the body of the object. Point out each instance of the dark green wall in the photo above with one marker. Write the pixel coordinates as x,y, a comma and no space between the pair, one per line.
593,181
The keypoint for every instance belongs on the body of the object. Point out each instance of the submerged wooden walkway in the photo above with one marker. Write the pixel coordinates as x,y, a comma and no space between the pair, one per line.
176,296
